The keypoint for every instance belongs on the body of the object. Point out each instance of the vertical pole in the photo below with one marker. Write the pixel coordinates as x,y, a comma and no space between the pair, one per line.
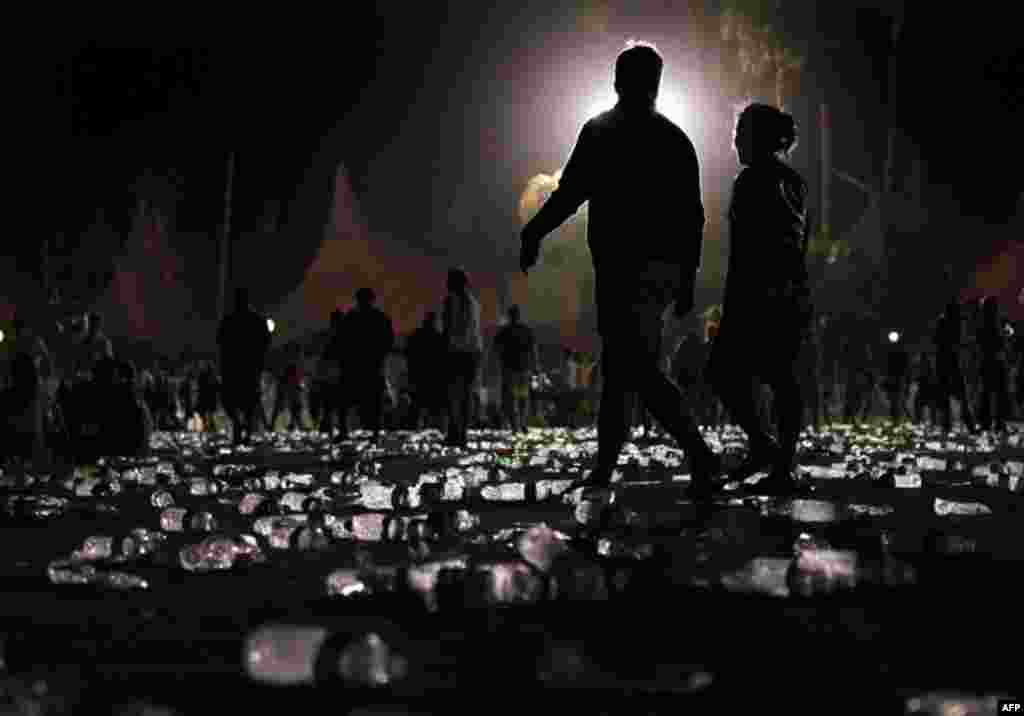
826,173
225,241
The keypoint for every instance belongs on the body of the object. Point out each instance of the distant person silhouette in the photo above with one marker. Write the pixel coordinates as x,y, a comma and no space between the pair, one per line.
518,352
465,349
949,364
897,378
928,393
369,337
994,390
207,394
331,373
243,338
767,308
645,239
425,354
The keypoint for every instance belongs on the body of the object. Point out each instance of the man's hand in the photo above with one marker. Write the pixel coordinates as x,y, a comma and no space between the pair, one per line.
529,251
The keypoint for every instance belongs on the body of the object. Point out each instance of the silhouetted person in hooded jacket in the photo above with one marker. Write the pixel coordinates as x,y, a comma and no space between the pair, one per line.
767,308
369,337
640,173
244,339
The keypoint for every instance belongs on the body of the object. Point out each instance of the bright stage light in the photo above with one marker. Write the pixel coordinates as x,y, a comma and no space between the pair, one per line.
1,336
893,336
271,325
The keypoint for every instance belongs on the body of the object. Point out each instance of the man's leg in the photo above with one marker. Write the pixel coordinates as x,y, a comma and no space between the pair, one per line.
613,427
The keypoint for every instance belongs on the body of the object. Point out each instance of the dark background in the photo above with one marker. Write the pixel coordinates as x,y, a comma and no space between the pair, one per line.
440,114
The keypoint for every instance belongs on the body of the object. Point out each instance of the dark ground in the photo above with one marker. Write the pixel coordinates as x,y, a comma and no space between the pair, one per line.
700,615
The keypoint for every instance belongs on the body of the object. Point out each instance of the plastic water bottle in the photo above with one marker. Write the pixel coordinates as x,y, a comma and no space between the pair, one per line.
540,545
299,537
218,553
299,502
265,525
254,504
512,583
815,571
180,519
288,655
161,499
202,487
363,527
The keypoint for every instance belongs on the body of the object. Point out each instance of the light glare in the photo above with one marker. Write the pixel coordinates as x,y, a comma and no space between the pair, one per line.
271,325
893,336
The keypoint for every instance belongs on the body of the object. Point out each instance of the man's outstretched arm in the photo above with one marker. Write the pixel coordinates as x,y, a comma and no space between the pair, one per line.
573,189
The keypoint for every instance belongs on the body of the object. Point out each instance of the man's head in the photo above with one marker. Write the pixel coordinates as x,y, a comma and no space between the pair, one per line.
365,297
638,74
513,314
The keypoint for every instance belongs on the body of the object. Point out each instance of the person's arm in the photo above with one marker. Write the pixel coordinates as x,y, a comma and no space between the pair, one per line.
573,189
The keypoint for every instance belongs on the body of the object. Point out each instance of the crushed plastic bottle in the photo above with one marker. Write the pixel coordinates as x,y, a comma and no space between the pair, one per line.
345,583
945,508
287,655
363,527
140,542
540,545
256,505
511,583
75,572
161,499
816,571
218,553
302,538
180,519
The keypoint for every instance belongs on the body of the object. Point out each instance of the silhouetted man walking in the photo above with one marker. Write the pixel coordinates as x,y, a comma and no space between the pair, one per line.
645,238
370,338
244,339
517,349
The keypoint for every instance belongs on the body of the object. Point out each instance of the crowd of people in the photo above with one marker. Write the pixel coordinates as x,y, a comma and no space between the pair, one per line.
764,357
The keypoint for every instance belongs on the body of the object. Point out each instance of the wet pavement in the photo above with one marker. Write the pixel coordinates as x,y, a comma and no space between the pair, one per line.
411,569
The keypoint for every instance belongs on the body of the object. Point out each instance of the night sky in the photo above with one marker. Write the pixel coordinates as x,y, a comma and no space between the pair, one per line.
441,114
